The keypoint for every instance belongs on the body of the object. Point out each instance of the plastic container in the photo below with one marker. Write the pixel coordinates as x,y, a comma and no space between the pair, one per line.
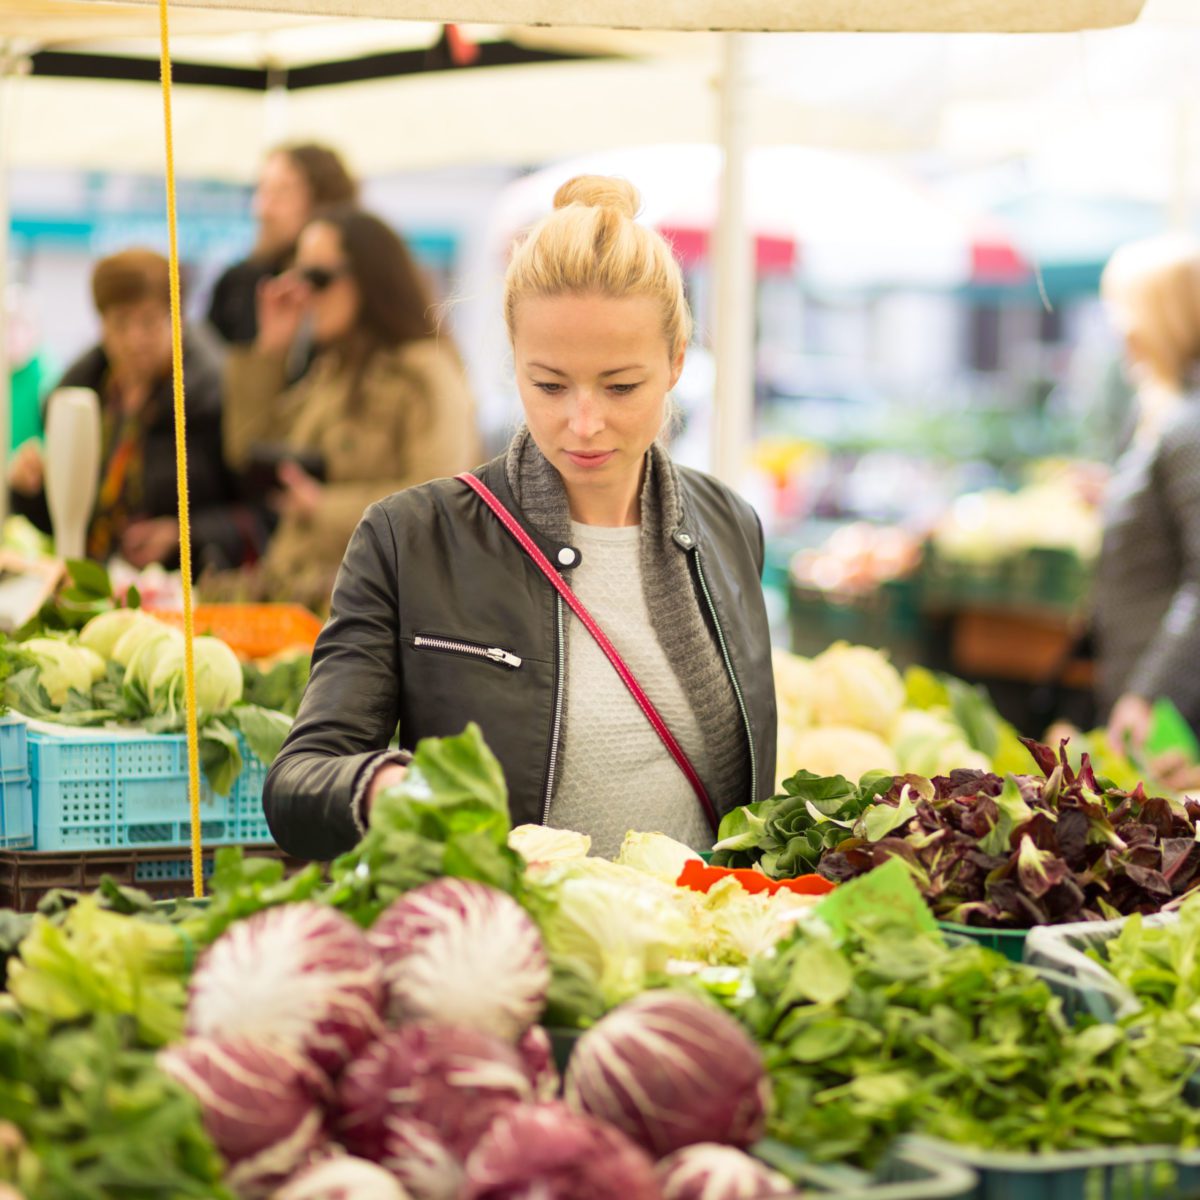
1009,942
96,791
1136,1173
909,1172
253,630
16,794
1063,949
27,876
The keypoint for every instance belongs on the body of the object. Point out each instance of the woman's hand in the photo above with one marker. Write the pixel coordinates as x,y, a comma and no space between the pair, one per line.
386,777
27,470
1129,725
282,304
301,494
153,541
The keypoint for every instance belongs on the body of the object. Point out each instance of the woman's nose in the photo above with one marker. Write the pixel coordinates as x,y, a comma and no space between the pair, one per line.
586,419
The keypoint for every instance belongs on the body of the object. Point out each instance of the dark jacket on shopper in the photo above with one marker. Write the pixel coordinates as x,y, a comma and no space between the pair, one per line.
435,561
233,310
1147,588
224,535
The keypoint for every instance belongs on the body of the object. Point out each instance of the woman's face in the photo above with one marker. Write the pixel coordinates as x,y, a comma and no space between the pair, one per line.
594,372
282,205
334,299
137,340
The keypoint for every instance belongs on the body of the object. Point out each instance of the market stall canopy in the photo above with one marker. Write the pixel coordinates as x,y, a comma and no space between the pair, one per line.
21,17
842,220
516,116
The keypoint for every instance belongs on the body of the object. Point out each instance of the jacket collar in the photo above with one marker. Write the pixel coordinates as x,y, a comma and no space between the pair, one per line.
534,491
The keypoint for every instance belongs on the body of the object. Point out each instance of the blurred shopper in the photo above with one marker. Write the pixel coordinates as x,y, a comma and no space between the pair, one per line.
1147,592
384,406
295,182
135,515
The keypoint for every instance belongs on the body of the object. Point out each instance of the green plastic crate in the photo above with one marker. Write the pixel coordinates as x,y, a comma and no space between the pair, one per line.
1136,1173
1010,942
909,1172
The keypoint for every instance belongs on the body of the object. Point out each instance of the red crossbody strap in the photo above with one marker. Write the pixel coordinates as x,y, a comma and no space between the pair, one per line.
627,677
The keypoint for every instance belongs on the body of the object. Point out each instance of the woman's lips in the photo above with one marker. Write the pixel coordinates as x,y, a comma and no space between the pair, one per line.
589,459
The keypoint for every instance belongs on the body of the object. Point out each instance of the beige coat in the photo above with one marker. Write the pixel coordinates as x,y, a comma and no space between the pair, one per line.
414,421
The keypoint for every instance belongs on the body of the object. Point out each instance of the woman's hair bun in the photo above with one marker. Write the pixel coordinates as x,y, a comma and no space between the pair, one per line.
600,191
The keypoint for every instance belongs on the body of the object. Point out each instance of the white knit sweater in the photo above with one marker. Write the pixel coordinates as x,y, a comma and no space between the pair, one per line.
616,775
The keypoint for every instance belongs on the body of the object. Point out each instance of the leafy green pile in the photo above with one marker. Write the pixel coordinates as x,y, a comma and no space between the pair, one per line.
85,1114
92,960
1030,850
1160,965
279,686
895,1031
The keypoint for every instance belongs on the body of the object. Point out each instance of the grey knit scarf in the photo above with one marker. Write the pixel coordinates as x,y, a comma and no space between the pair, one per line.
682,627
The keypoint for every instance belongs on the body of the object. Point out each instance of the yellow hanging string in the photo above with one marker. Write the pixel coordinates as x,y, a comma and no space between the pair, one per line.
185,529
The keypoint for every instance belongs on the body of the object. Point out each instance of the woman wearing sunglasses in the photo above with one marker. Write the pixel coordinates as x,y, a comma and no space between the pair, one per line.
384,406
597,610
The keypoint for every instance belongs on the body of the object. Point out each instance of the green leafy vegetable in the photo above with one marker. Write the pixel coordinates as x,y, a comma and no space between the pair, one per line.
97,961
449,816
85,1115
893,1031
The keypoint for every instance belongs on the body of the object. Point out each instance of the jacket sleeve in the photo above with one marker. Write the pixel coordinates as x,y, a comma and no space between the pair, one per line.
350,708
256,402
1168,666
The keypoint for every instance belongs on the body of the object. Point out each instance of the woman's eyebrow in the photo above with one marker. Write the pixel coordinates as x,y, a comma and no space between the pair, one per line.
603,374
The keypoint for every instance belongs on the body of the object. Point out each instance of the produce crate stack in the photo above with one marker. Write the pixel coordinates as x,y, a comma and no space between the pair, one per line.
27,877
104,792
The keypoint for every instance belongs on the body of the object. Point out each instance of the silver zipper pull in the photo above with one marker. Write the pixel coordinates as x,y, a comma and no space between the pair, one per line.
503,656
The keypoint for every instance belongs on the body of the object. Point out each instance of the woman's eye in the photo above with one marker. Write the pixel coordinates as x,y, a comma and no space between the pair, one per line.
551,389
623,389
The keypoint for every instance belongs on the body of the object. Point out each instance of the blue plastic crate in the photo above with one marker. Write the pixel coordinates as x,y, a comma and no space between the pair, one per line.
108,792
169,870
16,795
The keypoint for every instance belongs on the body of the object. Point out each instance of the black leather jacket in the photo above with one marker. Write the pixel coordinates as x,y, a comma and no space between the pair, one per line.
432,565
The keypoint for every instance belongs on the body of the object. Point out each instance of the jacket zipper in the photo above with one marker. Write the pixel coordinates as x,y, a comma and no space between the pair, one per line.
556,731
737,687
492,653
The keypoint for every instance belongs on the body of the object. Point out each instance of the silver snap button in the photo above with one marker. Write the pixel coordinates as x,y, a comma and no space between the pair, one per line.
566,556
685,539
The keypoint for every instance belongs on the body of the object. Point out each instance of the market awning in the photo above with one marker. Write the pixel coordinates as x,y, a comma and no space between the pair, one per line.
43,20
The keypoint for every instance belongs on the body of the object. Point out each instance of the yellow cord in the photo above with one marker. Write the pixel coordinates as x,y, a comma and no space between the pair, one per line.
185,529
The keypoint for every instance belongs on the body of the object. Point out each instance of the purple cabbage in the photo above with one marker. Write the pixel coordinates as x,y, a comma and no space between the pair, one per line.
302,975
670,1070
711,1172
464,953
261,1102
548,1152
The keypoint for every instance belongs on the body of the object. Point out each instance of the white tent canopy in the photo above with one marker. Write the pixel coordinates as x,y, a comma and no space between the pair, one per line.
22,17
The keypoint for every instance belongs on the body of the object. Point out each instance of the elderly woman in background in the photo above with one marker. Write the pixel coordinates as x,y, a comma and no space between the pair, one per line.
130,370
384,406
1147,594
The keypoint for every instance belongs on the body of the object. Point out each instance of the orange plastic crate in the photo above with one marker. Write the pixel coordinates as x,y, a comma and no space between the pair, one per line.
253,630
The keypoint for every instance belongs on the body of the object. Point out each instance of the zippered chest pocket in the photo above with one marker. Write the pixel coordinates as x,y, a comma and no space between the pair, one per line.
448,645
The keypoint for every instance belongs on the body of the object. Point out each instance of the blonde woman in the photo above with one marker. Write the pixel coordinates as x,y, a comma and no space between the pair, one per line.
480,598
1147,592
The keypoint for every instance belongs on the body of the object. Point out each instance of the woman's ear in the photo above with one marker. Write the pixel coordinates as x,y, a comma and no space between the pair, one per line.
677,367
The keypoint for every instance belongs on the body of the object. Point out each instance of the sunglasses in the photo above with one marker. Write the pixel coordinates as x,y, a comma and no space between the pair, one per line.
319,278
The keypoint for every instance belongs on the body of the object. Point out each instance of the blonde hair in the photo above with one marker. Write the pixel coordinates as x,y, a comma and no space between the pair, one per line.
591,243
1152,290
